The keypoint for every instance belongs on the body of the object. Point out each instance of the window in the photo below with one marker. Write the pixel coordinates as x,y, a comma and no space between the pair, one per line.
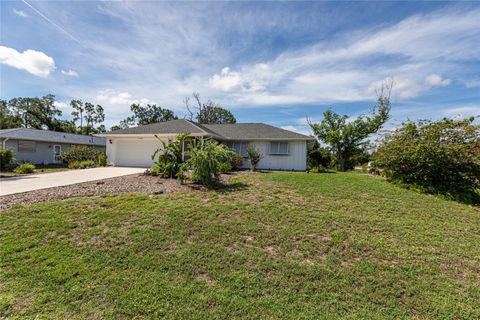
279,147
238,147
27,146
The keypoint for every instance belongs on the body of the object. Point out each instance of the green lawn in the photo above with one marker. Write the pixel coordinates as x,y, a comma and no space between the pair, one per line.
272,246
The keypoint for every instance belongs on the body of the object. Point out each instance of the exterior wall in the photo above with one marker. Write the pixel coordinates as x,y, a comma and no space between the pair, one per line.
296,160
43,154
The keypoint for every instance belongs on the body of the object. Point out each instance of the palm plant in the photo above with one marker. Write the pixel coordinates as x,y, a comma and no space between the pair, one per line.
170,157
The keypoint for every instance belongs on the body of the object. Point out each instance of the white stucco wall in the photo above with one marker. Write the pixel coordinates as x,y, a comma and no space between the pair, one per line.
296,160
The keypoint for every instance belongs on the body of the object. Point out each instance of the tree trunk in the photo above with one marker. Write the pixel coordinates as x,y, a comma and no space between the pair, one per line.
342,162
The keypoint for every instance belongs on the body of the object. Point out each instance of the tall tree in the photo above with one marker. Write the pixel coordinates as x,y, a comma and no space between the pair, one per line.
347,138
78,110
36,112
93,115
8,119
210,112
151,113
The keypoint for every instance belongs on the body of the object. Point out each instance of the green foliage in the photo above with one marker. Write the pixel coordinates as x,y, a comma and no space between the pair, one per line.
170,157
74,165
318,157
254,156
7,118
347,138
237,161
6,158
142,115
207,159
439,157
79,154
210,112
86,164
102,159
24,168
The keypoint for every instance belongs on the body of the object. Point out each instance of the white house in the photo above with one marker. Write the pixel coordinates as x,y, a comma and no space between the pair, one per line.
281,149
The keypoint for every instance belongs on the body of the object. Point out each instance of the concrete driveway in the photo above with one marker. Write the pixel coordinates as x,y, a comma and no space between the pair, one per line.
48,180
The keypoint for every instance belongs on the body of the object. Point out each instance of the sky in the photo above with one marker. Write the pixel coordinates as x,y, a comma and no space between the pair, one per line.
274,62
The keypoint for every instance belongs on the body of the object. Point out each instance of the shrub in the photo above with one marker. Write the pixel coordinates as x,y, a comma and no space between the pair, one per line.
74,165
439,157
319,157
102,160
254,156
79,154
86,164
237,161
206,160
24,168
170,157
6,158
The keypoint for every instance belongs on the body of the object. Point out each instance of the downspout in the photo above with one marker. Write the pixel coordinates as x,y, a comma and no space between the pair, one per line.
3,142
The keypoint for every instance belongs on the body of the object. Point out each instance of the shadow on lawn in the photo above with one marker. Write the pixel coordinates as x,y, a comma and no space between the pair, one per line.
230,187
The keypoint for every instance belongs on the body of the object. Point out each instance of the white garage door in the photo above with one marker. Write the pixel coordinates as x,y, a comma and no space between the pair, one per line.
135,153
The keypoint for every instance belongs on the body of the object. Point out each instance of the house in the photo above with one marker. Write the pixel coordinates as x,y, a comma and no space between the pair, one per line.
281,149
44,146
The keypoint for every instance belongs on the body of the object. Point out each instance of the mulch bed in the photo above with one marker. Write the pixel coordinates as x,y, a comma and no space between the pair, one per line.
137,183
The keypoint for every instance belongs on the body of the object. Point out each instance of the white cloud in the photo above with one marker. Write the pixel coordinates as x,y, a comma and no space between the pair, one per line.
34,62
436,80
61,105
462,112
234,81
302,129
20,13
70,73
472,83
402,88
115,98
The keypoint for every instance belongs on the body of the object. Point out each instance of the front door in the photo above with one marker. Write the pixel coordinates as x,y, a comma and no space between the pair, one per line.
57,152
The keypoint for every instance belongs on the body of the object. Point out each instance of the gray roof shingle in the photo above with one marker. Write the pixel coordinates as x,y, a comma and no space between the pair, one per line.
173,126
237,131
254,131
51,136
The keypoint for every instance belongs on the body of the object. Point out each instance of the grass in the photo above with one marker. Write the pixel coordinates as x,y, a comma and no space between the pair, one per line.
40,169
272,246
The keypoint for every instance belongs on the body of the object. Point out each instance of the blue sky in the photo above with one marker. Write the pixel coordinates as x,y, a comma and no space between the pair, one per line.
273,62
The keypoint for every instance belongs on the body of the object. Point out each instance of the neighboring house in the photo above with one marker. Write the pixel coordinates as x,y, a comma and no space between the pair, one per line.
281,149
43,146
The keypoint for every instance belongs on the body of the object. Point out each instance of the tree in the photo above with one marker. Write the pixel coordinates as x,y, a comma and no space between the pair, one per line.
38,113
347,138
7,118
93,115
151,113
439,157
254,156
78,110
210,112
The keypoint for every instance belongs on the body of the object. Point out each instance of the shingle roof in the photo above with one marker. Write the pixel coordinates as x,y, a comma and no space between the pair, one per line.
237,131
50,136
253,131
173,126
